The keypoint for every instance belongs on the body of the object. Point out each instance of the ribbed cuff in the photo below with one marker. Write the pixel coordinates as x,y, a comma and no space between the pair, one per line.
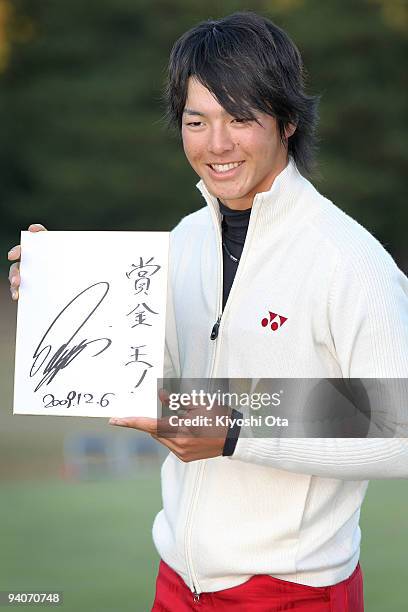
252,450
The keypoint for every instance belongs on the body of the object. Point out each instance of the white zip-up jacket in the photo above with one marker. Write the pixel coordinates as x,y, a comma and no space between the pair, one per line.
285,507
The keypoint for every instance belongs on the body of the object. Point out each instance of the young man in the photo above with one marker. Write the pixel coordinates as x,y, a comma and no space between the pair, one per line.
266,523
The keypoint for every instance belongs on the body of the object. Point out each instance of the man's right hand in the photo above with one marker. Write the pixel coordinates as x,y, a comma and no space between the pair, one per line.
14,255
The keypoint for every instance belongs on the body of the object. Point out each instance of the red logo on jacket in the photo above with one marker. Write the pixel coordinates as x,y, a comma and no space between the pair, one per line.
275,321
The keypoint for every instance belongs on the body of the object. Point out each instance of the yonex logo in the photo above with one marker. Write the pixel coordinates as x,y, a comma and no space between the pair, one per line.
275,321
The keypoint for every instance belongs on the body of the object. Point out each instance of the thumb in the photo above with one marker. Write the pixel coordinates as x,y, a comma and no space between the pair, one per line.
37,227
164,396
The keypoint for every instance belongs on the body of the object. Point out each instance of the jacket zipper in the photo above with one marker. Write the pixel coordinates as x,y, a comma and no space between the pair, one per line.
215,332
196,596
216,327
195,587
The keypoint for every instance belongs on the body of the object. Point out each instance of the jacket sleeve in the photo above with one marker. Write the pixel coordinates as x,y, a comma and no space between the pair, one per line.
368,331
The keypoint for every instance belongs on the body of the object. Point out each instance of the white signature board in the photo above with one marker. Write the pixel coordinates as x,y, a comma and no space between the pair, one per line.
91,323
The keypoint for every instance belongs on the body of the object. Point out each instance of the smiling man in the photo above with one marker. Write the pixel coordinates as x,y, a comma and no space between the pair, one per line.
253,523
236,158
268,280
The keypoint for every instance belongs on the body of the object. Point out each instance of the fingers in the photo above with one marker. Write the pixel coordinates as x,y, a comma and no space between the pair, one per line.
14,274
187,449
14,278
167,443
36,227
164,396
14,254
148,425
14,294
141,423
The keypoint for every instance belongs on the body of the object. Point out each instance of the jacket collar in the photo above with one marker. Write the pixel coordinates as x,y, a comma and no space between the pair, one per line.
270,207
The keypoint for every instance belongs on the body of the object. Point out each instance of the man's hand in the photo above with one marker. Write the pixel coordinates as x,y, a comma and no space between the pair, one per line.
188,443
14,254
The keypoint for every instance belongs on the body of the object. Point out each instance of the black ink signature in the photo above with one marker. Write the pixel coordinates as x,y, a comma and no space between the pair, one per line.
65,354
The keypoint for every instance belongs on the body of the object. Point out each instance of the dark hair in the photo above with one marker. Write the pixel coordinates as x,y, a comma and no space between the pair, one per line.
248,64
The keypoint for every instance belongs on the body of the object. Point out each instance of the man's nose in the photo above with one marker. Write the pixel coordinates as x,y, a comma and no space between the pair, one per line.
220,140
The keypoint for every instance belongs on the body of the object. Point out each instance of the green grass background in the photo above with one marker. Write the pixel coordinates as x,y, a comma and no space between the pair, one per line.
91,540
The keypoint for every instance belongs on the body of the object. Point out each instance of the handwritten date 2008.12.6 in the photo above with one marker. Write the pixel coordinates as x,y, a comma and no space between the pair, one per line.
75,399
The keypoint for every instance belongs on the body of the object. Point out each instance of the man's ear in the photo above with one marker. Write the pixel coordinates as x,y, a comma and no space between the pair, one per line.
290,129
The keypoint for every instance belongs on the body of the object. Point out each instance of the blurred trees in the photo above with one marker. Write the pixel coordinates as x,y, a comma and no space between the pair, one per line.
83,145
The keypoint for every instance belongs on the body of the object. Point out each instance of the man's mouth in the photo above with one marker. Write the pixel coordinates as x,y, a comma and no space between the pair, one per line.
221,168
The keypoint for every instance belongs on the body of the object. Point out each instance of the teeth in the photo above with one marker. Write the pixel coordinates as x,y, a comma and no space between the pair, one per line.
225,167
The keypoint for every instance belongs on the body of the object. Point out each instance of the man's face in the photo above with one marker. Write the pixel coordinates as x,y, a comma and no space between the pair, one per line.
235,159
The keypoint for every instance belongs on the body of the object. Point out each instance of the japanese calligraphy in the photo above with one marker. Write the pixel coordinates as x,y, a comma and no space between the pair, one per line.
142,314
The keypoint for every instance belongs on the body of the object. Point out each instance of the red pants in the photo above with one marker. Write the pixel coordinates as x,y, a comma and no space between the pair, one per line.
260,593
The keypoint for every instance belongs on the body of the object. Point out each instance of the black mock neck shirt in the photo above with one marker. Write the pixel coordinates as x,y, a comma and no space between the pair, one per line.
234,229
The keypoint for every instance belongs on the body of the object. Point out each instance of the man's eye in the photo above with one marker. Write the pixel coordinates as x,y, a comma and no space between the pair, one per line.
194,123
238,120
